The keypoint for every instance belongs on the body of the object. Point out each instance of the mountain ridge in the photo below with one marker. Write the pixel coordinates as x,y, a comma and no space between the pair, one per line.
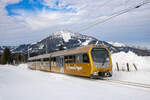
69,40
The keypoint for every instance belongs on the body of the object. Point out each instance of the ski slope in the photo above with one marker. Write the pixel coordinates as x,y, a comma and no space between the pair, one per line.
21,83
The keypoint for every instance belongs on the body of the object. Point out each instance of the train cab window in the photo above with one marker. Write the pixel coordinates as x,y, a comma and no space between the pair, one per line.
85,58
100,55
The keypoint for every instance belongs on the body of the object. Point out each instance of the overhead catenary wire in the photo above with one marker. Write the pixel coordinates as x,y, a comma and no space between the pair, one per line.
99,21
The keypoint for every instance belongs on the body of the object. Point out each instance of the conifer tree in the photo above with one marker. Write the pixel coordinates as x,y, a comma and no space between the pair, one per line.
6,57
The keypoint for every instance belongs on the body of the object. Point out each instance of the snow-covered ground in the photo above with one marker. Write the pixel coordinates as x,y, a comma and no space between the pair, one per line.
21,83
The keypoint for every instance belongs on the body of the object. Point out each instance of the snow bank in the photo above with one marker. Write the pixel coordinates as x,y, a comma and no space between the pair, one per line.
142,64
22,66
131,58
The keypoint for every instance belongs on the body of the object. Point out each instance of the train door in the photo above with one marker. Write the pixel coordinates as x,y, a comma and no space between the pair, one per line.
61,64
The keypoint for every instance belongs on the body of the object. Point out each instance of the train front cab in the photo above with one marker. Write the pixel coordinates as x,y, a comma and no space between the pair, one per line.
101,64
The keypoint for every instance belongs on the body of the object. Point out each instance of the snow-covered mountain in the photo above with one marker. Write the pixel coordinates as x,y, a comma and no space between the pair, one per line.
66,38
69,40
117,44
12,48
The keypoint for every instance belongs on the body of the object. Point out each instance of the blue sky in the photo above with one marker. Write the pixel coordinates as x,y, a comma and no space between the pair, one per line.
34,6
24,5
21,20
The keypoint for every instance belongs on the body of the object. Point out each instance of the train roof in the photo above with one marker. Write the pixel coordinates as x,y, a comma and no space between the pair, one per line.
82,49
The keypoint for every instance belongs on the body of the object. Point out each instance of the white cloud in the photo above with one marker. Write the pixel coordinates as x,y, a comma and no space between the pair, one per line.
86,11
8,25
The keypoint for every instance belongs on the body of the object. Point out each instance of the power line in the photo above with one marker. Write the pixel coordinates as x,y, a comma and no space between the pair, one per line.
115,15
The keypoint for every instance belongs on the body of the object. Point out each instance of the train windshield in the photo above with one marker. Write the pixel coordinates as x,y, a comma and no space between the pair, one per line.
100,57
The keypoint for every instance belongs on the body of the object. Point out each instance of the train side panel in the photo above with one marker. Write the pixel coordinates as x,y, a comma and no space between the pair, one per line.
80,69
38,67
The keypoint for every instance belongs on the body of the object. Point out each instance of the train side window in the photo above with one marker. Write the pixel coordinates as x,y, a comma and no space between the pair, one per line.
85,58
53,61
79,58
29,60
41,62
73,59
66,59
70,59
57,61
46,59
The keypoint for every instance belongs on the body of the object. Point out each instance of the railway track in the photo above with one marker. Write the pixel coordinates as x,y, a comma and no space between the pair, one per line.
125,83
129,83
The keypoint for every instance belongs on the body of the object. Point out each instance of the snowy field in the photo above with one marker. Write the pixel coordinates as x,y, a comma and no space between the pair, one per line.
21,83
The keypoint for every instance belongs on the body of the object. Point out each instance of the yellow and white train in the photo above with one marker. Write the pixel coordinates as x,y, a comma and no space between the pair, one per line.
89,61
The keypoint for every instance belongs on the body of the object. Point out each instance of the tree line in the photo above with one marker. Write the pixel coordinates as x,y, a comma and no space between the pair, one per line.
12,58
17,58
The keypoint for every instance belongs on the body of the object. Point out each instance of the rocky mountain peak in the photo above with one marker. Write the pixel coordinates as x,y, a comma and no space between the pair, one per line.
65,35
